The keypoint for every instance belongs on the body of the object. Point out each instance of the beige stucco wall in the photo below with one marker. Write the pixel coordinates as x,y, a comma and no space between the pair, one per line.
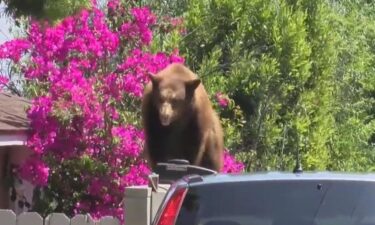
11,155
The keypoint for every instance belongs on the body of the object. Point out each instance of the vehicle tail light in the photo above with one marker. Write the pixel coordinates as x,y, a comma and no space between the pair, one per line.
172,208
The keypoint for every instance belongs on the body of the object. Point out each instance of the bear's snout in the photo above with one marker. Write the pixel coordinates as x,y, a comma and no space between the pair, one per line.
165,114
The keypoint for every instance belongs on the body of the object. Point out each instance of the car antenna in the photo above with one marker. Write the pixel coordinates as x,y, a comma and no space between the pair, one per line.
298,167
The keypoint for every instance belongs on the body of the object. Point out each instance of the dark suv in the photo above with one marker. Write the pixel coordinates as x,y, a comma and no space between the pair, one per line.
270,199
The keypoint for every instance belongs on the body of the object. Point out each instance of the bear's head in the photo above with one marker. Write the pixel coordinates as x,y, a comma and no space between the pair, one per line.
172,97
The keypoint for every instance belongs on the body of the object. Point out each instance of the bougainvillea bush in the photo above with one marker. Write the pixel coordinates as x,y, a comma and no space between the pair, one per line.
86,76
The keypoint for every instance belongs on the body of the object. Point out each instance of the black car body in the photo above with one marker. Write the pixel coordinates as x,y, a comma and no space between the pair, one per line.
270,199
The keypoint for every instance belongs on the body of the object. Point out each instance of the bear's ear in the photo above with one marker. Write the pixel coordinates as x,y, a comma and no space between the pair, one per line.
154,79
191,85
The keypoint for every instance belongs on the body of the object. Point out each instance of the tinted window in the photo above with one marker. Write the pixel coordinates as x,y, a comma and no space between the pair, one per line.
280,203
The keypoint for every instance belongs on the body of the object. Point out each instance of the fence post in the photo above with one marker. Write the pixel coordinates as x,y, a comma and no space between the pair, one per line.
82,220
109,220
29,218
57,219
137,205
7,217
156,199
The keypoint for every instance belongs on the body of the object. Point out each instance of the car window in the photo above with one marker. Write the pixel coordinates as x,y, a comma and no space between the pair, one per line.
280,203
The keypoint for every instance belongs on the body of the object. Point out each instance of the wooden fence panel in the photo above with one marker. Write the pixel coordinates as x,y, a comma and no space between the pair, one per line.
108,220
29,218
7,217
57,219
82,220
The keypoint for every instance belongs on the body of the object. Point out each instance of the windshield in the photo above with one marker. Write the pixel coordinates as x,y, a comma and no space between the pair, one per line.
280,203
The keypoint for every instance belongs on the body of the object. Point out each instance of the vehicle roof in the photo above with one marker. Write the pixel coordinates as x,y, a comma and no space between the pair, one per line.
284,176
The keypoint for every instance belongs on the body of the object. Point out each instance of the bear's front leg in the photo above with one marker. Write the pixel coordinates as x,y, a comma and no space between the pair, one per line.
209,154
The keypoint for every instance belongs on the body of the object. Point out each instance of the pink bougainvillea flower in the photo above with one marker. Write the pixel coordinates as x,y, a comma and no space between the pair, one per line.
222,99
231,165
35,170
14,49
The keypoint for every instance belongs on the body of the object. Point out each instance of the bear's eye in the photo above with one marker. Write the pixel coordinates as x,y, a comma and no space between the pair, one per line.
174,101
160,100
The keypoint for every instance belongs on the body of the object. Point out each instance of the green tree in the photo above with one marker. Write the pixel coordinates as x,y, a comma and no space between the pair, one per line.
287,65
352,144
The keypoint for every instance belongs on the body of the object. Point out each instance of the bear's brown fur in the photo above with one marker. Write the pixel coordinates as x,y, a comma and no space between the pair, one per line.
179,120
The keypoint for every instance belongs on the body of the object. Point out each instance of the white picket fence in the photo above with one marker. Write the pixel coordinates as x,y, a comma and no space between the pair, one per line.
8,217
140,203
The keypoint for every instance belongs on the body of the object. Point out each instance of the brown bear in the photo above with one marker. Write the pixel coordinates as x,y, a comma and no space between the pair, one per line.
179,121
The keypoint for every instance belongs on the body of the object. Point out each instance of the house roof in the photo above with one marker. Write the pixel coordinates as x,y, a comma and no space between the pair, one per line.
13,113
